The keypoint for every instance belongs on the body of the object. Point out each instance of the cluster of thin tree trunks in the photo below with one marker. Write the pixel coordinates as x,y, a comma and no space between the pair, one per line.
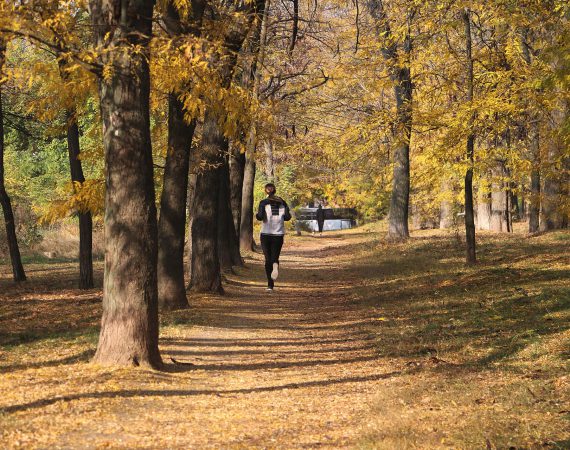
144,253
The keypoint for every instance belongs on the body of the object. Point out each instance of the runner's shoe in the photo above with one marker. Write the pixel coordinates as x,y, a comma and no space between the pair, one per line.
275,272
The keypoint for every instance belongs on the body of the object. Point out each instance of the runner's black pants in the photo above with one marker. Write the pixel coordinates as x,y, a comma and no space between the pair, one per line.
271,246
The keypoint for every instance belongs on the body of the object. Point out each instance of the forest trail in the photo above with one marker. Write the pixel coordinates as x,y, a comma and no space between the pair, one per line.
293,367
331,359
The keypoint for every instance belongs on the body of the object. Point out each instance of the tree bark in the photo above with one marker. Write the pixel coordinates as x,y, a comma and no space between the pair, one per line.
534,206
555,188
401,76
445,208
499,202
246,241
172,221
484,211
129,327
18,272
205,275
237,167
470,149
550,216
85,219
269,162
228,245
192,180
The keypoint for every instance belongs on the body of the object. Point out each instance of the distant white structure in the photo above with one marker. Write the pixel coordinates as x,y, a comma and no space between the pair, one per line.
335,219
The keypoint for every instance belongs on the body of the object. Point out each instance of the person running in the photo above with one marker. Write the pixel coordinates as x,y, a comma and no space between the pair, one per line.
320,219
273,211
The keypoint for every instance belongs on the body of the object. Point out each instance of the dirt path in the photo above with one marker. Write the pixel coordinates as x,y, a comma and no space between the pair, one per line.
294,368
362,345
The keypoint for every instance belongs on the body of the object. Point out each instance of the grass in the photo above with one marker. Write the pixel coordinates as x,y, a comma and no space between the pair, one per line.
478,356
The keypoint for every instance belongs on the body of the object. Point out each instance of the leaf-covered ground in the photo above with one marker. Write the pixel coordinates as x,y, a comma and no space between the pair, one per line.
363,345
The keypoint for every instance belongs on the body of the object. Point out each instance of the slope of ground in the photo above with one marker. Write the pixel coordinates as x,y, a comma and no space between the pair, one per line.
363,345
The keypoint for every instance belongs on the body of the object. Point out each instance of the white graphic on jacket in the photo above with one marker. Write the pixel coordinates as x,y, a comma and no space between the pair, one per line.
273,212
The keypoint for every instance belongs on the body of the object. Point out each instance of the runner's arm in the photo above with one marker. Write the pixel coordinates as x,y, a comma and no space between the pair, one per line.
261,215
287,215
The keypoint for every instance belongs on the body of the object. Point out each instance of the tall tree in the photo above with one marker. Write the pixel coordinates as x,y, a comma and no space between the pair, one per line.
17,267
205,265
129,327
396,51
258,42
228,244
237,167
172,221
85,219
470,147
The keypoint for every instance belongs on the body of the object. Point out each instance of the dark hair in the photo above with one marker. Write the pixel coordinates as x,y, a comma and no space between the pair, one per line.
270,185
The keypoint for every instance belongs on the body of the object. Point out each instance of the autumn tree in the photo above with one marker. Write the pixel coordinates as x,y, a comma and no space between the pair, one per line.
9,222
184,27
129,327
205,266
396,50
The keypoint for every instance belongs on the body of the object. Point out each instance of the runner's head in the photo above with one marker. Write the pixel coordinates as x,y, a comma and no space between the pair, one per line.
270,189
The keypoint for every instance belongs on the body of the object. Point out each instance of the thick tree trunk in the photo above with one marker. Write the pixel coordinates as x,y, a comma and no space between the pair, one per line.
237,167
85,219
129,328
172,221
470,150
205,275
9,223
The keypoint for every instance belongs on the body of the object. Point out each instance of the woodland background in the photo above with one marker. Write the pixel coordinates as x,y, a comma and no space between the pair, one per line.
443,114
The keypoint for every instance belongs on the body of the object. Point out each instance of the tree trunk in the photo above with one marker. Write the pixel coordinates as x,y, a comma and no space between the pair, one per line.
237,167
85,219
534,203
399,201
555,181
246,241
446,207
269,163
192,180
484,211
172,221
499,200
228,244
129,328
401,76
17,267
470,149
205,275
534,206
